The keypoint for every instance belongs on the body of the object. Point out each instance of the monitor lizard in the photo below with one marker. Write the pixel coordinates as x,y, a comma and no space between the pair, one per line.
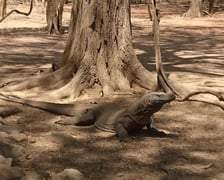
110,117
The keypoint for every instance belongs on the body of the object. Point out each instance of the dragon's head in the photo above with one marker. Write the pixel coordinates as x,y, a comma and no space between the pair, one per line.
151,102
158,98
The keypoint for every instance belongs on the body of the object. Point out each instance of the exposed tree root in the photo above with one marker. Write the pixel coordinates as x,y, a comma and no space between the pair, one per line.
145,79
45,82
207,13
75,86
68,82
219,96
6,111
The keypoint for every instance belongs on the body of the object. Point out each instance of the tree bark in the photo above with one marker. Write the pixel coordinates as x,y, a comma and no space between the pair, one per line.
195,9
100,49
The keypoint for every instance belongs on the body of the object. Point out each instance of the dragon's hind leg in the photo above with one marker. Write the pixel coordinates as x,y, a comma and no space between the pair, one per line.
83,120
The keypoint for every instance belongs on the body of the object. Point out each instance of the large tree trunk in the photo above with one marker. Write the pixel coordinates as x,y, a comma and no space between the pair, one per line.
98,53
99,47
195,9
54,13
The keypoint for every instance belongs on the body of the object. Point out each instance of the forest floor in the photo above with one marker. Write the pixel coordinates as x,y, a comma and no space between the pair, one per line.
193,55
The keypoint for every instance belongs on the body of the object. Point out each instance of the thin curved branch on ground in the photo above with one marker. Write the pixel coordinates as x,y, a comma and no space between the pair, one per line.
19,12
207,13
218,95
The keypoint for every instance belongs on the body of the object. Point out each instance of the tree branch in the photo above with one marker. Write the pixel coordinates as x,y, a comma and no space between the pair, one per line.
161,76
149,10
219,96
19,12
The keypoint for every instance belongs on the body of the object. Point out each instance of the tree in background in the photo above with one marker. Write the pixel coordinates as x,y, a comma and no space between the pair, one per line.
196,10
3,8
54,12
211,6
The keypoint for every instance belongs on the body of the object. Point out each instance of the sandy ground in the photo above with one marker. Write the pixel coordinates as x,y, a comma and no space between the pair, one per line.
193,54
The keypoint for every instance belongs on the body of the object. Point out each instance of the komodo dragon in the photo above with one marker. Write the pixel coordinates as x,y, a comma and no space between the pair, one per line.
123,121
107,117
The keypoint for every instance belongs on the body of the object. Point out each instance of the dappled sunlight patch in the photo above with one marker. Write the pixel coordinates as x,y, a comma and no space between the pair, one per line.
44,143
204,155
197,80
193,54
195,22
139,51
182,165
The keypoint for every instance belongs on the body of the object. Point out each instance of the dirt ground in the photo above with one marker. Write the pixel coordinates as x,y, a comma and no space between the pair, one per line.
193,55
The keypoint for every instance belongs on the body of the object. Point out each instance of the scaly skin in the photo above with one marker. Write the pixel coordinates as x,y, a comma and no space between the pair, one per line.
141,113
148,104
107,117
123,121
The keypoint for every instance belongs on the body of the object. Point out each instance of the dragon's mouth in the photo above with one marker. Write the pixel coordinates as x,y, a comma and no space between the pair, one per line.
163,99
158,102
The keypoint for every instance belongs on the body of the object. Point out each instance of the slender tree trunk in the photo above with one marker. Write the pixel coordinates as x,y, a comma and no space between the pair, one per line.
149,10
3,8
60,14
195,9
211,6
54,12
